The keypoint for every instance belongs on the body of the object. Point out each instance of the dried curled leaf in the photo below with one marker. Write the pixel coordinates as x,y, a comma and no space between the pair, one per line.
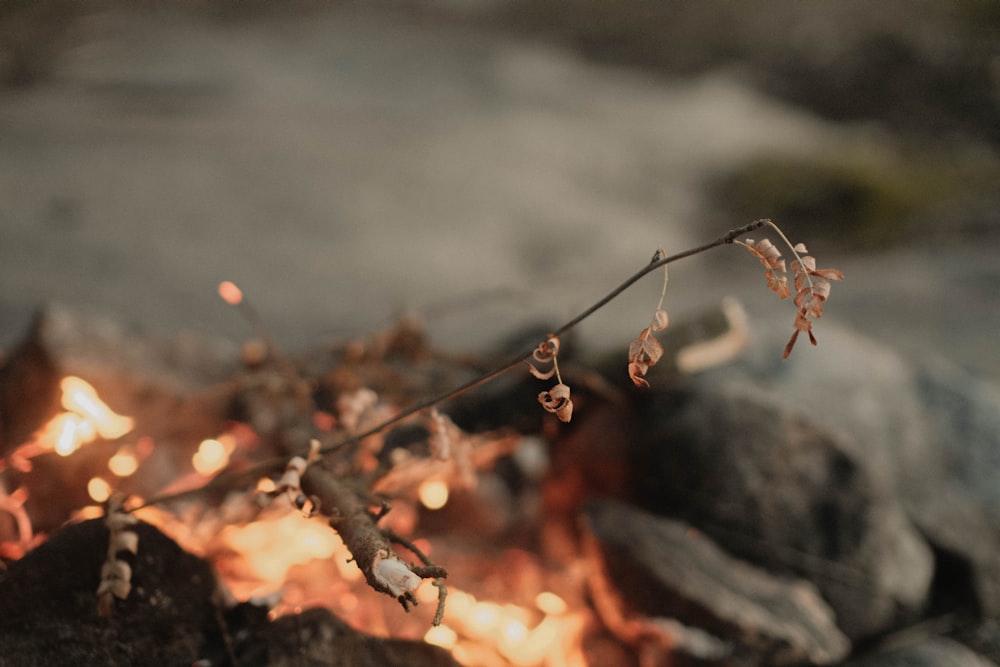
539,374
643,353
116,574
637,372
546,350
812,288
774,265
660,320
557,401
546,353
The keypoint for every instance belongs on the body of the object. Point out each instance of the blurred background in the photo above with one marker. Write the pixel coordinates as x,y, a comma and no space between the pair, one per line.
494,163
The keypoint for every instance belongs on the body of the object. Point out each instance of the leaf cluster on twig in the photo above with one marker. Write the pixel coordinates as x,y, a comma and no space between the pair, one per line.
812,285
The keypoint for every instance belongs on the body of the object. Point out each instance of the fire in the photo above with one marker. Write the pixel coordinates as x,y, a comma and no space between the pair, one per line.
270,547
213,454
86,418
80,398
99,489
69,432
433,494
230,293
124,463
442,636
474,628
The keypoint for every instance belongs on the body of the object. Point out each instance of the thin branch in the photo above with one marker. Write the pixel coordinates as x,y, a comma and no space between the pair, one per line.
725,239
273,465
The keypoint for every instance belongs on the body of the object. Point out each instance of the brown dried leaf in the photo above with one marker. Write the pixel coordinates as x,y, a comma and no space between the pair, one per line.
790,345
547,350
778,284
645,349
828,274
637,372
557,401
660,320
539,374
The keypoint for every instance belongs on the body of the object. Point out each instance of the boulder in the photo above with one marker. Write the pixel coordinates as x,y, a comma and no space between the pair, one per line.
666,569
928,652
784,492
172,615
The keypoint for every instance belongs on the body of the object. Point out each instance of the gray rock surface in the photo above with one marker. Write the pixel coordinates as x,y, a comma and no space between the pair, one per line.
931,652
665,568
926,429
783,492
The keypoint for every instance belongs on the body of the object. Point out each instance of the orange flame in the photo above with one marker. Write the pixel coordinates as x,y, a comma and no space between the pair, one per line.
86,418
433,494
230,293
99,489
81,398
473,628
213,454
124,462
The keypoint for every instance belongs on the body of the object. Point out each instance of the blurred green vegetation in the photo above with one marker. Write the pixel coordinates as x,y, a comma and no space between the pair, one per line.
865,200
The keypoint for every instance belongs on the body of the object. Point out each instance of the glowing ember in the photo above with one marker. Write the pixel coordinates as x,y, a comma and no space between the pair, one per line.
213,455
81,398
98,489
484,631
86,418
230,293
442,636
272,546
124,462
433,494
71,431
550,603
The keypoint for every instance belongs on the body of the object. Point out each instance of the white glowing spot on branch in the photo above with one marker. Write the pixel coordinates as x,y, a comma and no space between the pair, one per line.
433,494
394,574
230,293
98,489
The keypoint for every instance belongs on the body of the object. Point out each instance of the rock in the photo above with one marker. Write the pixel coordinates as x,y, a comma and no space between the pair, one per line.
48,604
784,492
317,637
48,614
964,412
930,652
665,568
927,428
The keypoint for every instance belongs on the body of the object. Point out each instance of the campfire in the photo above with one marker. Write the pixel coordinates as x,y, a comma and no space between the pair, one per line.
507,601
360,504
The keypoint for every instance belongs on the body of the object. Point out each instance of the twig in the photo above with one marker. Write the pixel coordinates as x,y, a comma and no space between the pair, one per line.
725,239
369,546
429,570
274,465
